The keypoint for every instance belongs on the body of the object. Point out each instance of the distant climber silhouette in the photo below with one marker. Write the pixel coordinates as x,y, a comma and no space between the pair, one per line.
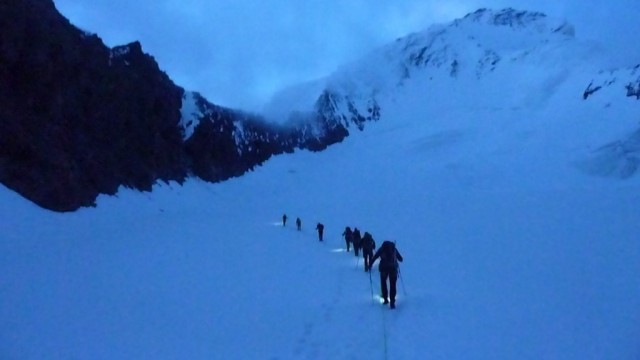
348,235
320,229
368,245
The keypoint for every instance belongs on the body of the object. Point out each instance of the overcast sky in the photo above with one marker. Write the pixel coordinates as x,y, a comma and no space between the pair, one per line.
238,52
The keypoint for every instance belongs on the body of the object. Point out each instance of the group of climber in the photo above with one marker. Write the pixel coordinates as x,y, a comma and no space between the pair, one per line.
319,227
360,242
387,253
298,222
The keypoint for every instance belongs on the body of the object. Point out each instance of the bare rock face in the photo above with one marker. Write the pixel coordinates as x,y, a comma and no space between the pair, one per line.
227,143
78,119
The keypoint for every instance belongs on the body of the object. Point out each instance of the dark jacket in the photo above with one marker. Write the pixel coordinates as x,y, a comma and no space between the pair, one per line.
368,244
348,234
388,255
356,238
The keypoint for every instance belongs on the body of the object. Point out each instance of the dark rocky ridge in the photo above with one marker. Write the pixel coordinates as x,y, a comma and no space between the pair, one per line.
626,79
229,142
75,120
78,119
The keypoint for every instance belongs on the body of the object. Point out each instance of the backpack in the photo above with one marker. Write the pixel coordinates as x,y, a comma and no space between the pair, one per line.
355,237
367,242
388,258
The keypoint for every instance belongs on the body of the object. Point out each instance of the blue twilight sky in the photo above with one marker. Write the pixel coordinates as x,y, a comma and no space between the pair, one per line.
238,52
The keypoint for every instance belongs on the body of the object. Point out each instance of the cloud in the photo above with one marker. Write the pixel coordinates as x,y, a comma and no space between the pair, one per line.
239,52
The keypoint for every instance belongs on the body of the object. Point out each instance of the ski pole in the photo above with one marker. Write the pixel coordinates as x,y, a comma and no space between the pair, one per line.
399,273
371,287
401,281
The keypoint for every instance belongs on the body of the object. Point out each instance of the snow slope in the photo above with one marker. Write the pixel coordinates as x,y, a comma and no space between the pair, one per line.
513,248
504,259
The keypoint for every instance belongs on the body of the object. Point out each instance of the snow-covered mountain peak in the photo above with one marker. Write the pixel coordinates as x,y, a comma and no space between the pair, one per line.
472,47
501,78
518,20
484,36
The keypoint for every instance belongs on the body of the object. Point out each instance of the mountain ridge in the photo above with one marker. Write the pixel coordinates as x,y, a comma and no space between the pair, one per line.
492,62
477,43
81,119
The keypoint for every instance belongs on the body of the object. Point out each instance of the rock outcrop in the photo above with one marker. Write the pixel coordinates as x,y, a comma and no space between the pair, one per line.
78,119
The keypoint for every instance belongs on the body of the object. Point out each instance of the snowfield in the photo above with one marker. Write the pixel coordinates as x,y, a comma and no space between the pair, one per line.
541,265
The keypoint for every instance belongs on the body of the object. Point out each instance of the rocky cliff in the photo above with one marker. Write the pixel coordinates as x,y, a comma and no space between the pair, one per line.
78,118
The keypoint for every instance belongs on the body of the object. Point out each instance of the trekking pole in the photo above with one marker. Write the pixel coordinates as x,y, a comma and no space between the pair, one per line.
399,273
401,281
371,287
